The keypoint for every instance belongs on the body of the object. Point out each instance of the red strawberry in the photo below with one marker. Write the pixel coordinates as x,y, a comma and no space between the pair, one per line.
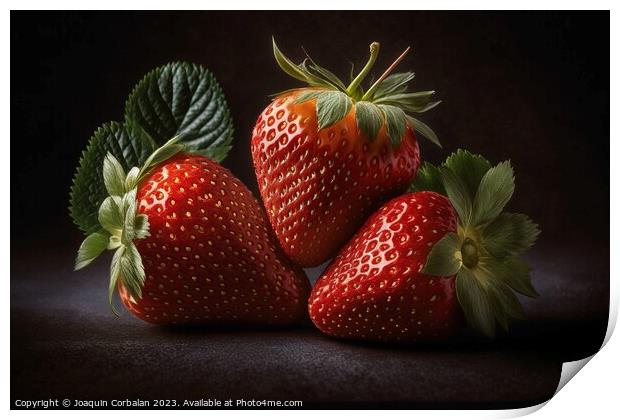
210,256
415,266
327,156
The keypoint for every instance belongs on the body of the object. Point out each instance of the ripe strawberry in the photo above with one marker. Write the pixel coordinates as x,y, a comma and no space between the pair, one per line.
423,260
327,156
199,248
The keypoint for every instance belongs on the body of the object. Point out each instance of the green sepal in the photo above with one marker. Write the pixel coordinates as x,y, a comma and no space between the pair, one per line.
516,274
395,121
443,260
469,168
424,130
121,224
331,107
182,99
369,118
91,248
475,302
411,102
495,190
509,234
457,193
308,96
428,178
393,84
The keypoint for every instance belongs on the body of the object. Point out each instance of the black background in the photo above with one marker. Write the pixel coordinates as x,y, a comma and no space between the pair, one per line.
529,86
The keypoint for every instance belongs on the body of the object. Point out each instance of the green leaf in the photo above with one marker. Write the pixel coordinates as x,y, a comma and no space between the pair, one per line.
141,226
182,99
395,83
165,152
332,107
475,302
91,248
132,271
469,168
324,74
494,192
287,65
115,271
113,175
412,102
516,274
308,95
507,305
428,178
111,214
128,145
509,234
129,205
457,193
131,180
396,122
423,129
442,260
369,118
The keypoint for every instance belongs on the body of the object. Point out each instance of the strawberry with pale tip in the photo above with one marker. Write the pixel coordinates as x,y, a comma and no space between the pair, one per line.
429,260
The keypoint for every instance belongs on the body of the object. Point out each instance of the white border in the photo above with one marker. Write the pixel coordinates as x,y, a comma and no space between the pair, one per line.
594,393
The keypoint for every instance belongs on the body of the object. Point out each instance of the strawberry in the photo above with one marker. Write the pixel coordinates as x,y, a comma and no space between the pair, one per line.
328,155
192,245
426,261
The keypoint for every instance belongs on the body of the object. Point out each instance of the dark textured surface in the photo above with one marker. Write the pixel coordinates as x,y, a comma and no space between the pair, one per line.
65,343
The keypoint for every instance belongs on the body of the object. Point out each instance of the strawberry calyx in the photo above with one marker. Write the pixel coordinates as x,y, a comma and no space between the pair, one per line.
385,102
484,253
121,224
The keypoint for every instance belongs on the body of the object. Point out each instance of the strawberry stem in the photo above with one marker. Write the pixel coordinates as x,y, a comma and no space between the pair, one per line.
355,83
385,74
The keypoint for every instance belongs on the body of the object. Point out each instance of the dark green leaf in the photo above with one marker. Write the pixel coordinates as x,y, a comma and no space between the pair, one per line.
494,192
469,168
475,302
396,122
516,274
182,99
128,145
369,118
509,234
442,260
457,193
91,248
331,107
423,129
428,178
411,102
325,74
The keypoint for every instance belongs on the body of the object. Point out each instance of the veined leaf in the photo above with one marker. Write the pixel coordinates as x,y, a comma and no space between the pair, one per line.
91,248
494,192
469,168
475,302
428,178
457,193
331,107
395,83
442,260
395,119
423,129
412,102
308,95
516,274
128,145
509,234
369,118
182,99
113,175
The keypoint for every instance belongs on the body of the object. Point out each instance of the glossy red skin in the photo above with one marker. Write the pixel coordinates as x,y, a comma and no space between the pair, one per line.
211,256
374,290
319,187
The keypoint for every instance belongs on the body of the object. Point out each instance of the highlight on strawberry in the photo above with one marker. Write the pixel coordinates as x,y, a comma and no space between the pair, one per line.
329,154
191,244
430,259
